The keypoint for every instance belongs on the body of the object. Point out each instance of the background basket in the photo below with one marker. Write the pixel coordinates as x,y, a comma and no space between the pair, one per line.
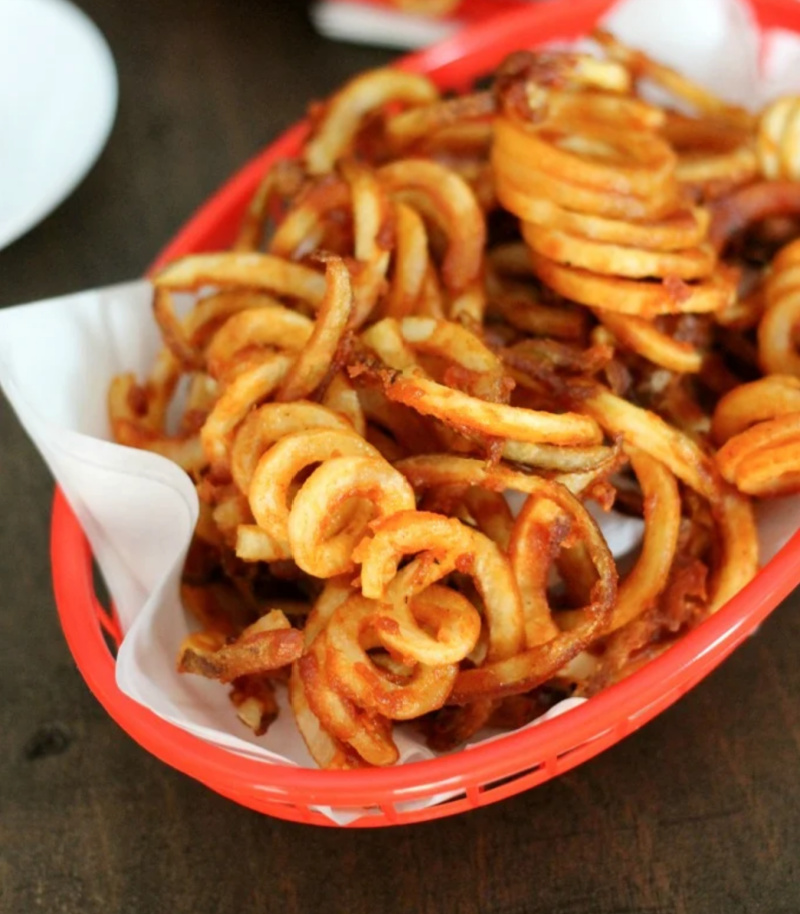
482,774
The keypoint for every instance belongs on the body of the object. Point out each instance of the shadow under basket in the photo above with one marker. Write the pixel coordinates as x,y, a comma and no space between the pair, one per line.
487,772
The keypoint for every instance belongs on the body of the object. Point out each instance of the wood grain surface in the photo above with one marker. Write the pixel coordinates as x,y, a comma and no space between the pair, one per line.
698,812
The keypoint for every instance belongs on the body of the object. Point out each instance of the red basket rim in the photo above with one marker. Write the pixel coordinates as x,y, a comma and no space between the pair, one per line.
690,658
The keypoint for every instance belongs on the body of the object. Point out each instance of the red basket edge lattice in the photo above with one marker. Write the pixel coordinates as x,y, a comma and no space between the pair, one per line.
485,773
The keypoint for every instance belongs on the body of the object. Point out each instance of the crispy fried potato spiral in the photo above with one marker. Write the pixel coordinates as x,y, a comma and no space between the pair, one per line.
779,326
778,142
757,427
602,214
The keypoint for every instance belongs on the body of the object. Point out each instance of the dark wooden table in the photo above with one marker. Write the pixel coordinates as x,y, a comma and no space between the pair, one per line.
698,812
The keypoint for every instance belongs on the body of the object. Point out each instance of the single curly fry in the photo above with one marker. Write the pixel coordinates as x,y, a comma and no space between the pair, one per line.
314,360
442,545
450,202
736,546
278,467
768,398
662,515
320,710
526,669
465,412
303,228
764,460
619,260
451,630
353,673
263,272
268,424
630,296
342,398
137,415
409,263
547,522
268,644
346,110
642,337
318,547
648,432
326,750
778,142
777,331
247,390
254,330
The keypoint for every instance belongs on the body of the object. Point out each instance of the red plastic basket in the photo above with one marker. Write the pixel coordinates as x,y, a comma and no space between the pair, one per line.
485,773
465,12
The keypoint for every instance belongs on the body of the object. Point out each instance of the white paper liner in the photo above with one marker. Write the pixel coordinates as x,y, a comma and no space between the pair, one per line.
362,23
57,358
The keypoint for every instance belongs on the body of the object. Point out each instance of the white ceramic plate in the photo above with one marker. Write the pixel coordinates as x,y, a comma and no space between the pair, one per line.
58,97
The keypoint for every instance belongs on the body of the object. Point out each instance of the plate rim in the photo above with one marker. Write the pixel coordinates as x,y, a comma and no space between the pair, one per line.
28,217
